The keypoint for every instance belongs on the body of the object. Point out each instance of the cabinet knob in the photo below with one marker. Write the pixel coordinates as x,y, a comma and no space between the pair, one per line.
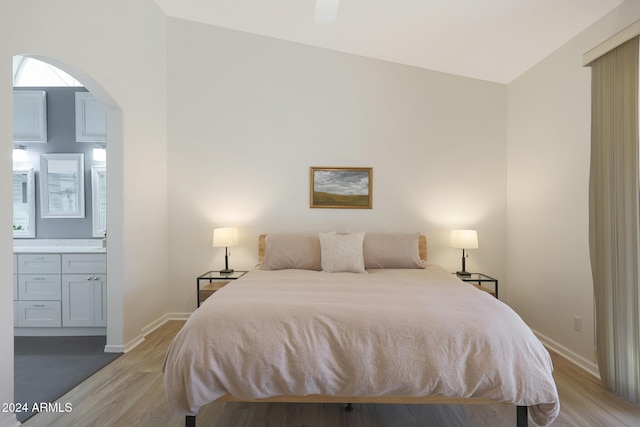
89,278
96,278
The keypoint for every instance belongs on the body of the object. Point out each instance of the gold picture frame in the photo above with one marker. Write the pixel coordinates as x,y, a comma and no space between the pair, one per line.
341,187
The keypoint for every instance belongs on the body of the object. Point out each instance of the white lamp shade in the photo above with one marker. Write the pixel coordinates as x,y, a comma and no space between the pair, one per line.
464,239
225,237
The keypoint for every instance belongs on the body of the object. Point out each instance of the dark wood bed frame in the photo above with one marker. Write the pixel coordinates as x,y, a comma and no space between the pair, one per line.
522,412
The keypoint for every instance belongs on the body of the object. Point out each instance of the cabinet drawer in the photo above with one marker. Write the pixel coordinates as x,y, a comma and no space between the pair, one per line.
84,263
39,314
39,287
38,264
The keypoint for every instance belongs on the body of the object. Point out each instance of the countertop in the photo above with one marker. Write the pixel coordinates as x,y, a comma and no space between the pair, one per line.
58,249
58,246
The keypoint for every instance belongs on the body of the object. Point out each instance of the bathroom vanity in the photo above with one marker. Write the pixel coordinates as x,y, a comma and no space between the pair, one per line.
60,287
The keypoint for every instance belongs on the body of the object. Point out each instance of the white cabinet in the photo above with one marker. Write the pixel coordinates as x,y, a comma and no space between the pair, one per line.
84,300
84,263
15,277
60,290
15,289
39,287
38,313
84,288
39,264
15,299
29,116
91,119
39,293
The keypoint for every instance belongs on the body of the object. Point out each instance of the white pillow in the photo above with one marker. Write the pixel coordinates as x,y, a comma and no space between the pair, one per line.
342,252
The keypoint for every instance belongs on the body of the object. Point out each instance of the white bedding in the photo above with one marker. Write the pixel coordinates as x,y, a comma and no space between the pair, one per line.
384,333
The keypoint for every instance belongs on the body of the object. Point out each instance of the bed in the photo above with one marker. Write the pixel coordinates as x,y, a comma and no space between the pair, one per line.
356,318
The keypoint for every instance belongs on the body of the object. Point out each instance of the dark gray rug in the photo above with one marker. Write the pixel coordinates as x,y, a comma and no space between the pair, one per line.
48,367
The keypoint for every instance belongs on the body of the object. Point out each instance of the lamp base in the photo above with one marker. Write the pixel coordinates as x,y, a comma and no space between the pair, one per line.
227,271
463,273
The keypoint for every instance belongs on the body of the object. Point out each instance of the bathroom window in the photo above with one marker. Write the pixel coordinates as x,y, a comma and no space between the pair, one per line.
32,72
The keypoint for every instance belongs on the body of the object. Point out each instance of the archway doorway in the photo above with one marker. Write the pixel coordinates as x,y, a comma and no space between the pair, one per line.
60,75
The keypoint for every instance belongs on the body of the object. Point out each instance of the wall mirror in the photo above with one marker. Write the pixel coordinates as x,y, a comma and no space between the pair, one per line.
62,185
24,204
99,200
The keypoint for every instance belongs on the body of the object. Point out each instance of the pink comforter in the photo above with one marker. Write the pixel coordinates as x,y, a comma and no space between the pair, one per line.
384,333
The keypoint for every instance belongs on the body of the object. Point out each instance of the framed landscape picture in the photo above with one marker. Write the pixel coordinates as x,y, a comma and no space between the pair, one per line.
341,187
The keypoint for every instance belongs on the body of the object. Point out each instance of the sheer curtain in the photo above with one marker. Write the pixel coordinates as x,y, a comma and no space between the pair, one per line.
614,217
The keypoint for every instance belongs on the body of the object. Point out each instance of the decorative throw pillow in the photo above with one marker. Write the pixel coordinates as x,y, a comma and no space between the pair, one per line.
391,250
291,251
342,252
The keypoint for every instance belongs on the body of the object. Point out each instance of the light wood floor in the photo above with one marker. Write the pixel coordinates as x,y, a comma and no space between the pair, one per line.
129,392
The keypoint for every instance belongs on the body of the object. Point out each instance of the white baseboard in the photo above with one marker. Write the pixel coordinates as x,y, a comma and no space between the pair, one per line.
573,357
177,316
124,348
162,320
9,420
144,332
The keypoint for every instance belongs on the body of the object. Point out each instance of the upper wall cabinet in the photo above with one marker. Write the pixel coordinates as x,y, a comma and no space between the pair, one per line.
91,119
29,116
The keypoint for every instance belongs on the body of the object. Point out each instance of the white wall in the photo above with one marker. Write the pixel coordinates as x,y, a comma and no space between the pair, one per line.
249,115
549,270
121,45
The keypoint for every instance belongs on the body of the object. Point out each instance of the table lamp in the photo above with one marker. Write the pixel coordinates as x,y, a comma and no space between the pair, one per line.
464,239
224,238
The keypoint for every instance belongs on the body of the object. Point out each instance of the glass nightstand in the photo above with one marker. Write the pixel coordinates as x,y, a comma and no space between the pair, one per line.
213,281
479,280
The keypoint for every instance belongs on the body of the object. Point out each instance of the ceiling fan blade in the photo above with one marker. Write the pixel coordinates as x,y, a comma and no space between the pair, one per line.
326,11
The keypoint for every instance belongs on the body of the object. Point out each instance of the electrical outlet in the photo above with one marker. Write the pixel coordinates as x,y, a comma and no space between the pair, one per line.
577,323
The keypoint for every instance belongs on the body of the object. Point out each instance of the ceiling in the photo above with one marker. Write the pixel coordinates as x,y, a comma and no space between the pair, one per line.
494,40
